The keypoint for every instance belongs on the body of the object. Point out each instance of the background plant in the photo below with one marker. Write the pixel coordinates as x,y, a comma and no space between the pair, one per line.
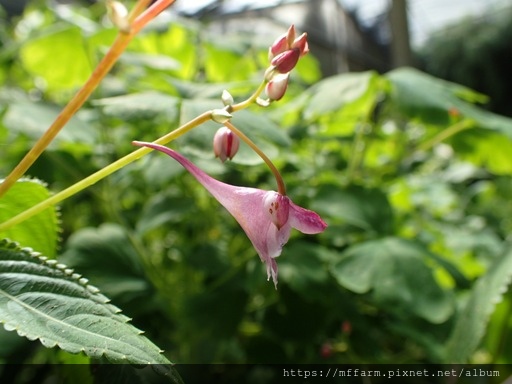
411,175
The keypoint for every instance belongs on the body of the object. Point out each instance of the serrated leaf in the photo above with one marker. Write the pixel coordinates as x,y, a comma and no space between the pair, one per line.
395,272
472,321
39,231
43,300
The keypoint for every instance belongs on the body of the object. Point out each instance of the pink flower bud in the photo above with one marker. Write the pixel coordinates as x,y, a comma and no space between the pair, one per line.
286,61
276,88
282,43
301,43
277,207
225,144
279,46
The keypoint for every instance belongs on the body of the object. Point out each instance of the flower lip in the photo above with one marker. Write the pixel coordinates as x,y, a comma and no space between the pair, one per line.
268,232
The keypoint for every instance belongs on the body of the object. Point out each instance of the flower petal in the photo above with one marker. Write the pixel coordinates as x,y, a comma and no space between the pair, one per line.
306,221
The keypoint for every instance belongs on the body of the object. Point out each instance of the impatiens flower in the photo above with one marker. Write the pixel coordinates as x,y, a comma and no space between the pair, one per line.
225,144
267,217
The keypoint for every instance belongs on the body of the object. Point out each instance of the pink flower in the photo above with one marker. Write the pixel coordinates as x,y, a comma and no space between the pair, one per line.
267,217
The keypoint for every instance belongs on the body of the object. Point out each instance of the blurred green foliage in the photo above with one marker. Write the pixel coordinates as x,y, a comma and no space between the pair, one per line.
411,175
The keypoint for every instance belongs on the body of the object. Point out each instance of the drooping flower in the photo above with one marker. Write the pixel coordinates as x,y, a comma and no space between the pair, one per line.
267,217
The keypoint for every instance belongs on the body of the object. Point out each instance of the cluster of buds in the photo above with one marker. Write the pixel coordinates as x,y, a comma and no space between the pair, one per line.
284,55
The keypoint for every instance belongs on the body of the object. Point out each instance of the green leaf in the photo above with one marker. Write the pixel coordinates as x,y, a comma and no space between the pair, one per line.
429,99
472,321
32,119
106,256
396,273
304,267
425,97
140,106
44,300
367,209
38,232
58,57
342,101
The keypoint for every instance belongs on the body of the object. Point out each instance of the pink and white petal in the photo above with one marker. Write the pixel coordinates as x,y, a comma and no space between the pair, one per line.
306,221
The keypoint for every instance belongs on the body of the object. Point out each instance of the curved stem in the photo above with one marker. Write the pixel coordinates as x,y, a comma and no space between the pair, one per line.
102,173
281,188
250,100
121,42
444,134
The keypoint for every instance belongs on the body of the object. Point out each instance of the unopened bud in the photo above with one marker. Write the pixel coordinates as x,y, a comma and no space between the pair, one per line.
118,14
221,116
225,144
301,43
227,99
286,61
279,46
276,88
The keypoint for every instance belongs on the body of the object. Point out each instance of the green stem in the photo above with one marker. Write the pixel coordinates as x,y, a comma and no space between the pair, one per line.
102,173
279,179
357,152
250,100
115,51
444,134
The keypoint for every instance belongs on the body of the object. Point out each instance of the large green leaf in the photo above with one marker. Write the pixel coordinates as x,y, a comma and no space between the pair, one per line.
342,101
430,99
472,321
396,272
427,99
107,257
46,301
58,57
140,106
40,231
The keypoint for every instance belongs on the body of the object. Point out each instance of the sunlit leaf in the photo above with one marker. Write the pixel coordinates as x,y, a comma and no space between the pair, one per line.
58,57
43,300
395,272
38,232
